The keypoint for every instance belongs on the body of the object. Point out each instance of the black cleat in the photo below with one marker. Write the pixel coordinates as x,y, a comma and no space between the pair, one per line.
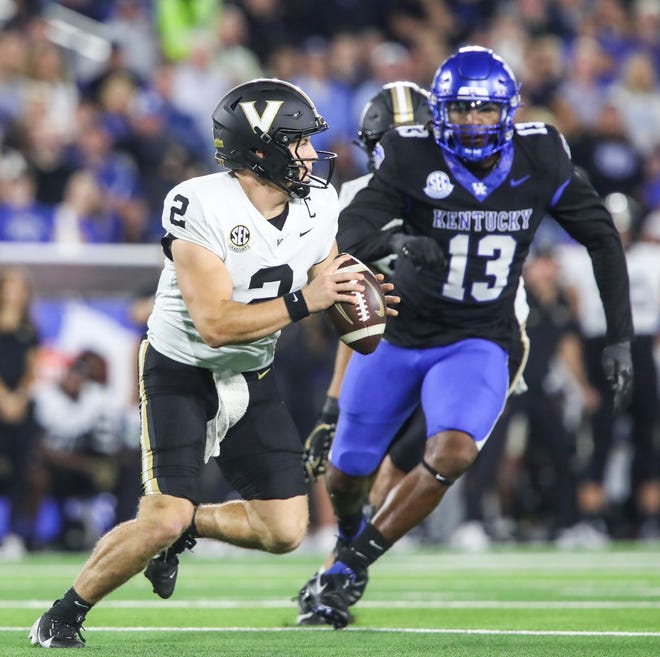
306,615
162,570
356,589
325,597
51,632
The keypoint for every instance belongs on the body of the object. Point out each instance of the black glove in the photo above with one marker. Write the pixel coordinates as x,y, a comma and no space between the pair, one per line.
317,445
618,368
424,252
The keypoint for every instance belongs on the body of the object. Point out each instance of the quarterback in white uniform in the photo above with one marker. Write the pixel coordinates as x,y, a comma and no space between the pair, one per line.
248,251
264,262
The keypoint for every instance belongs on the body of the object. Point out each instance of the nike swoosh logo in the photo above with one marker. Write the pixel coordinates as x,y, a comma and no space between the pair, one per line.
375,545
307,231
171,576
261,375
514,182
380,311
344,314
317,587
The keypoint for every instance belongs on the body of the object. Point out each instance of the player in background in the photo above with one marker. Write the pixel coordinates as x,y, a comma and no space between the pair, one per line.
396,104
472,192
643,259
248,251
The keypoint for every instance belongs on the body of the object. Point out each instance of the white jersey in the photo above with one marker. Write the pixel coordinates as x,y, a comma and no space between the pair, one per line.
643,261
350,188
263,261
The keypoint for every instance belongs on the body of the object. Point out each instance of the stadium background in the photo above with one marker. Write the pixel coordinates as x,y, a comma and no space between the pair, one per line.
105,105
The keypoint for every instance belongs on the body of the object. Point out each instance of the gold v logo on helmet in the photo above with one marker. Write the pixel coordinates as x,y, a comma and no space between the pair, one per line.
402,105
265,120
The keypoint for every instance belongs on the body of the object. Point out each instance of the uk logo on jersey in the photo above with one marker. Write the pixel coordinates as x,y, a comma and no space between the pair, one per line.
239,238
479,188
438,185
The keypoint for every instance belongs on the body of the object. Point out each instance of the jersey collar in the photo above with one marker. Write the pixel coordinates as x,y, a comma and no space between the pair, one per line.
481,188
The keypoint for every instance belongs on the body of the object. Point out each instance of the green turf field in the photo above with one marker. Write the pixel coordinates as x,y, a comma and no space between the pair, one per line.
513,602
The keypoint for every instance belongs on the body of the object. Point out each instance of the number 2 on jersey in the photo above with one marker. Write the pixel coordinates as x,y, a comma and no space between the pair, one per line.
181,210
504,246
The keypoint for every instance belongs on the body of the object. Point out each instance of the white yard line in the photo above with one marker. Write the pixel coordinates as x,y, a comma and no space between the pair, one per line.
407,630
364,604
252,566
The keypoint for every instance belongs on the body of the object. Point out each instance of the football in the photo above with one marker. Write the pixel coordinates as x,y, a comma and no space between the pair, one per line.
360,325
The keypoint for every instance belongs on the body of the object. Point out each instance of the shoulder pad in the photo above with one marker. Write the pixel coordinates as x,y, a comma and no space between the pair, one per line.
542,130
413,131
533,128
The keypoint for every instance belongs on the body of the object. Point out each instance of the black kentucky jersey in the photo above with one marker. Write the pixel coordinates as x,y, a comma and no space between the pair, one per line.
484,225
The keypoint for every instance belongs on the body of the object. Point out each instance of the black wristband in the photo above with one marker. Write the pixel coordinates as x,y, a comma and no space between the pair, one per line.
296,305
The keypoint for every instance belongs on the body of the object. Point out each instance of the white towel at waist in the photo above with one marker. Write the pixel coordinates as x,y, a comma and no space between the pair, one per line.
233,398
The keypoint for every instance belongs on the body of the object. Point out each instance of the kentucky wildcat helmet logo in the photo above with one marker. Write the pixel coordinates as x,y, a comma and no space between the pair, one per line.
438,185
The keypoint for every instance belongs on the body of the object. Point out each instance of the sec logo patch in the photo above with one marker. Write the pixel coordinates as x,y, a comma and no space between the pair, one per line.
438,185
239,238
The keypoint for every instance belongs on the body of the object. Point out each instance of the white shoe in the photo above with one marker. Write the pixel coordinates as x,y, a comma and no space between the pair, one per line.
583,535
470,537
12,549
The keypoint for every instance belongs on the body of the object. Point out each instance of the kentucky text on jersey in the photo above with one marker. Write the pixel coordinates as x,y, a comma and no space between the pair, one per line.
483,221
484,236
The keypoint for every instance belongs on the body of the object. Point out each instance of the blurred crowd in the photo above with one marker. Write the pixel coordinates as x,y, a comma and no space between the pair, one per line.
106,104
93,137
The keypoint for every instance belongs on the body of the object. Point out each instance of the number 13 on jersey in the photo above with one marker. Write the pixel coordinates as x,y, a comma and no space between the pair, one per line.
503,247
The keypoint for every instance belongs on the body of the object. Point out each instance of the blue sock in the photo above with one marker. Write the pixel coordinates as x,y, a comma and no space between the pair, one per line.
348,537
340,568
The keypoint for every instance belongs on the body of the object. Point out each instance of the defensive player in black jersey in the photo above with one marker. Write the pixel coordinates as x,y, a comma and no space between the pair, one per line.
396,104
472,192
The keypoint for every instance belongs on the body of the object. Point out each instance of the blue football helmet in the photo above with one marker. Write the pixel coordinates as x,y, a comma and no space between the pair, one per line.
476,76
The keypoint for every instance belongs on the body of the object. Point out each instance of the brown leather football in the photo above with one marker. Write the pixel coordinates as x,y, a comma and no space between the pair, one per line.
360,325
